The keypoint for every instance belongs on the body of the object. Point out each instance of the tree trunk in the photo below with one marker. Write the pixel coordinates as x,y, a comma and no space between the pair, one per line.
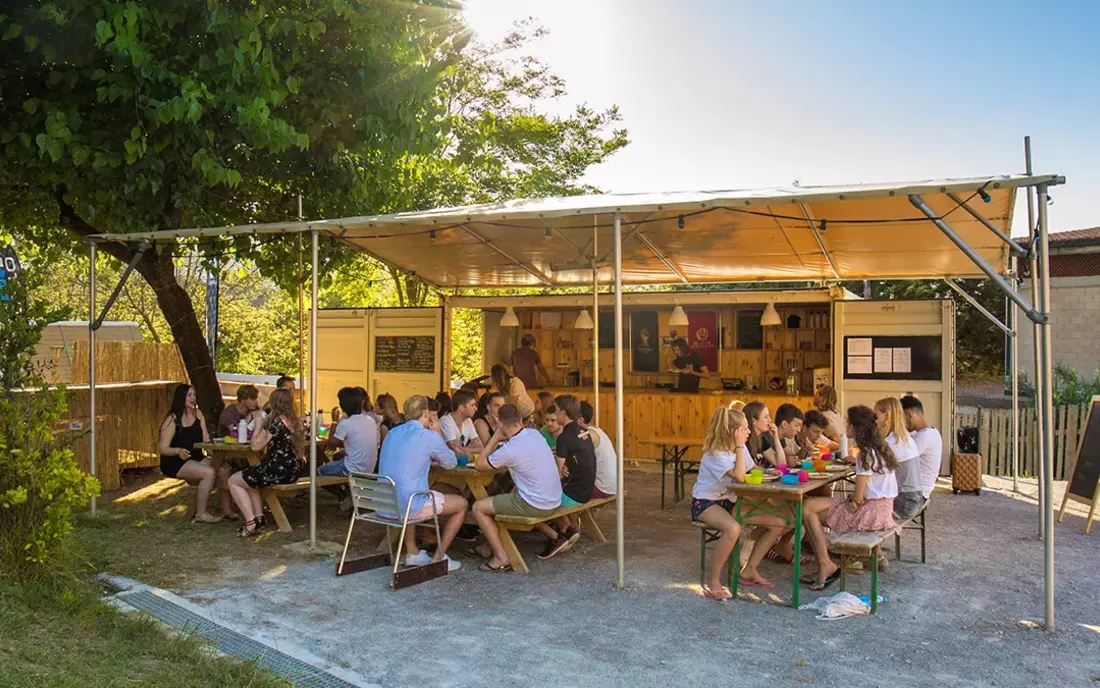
179,311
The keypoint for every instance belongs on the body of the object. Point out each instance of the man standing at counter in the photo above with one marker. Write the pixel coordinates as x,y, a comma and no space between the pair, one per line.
689,364
527,364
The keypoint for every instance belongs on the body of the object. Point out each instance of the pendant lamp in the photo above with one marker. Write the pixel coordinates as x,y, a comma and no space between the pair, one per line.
509,318
771,317
679,318
584,321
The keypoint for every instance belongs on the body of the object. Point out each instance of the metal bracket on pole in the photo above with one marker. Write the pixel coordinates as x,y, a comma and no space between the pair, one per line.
98,322
820,239
980,308
1012,245
1034,315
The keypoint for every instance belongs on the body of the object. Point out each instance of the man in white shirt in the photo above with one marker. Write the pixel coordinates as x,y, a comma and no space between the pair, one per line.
607,461
533,468
458,425
356,435
929,443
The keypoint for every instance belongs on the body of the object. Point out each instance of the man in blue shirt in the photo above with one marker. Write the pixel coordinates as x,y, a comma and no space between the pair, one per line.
407,454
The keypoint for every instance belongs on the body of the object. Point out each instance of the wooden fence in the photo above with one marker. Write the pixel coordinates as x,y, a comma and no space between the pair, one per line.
128,362
995,438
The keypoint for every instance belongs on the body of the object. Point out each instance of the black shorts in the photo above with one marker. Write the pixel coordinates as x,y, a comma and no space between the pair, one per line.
170,465
698,506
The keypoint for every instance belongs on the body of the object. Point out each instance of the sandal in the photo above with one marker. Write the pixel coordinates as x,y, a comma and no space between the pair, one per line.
486,566
720,595
822,584
472,552
206,518
255,526
757,583
772,555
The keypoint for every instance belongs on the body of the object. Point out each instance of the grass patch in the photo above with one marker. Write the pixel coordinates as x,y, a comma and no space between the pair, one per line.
60,634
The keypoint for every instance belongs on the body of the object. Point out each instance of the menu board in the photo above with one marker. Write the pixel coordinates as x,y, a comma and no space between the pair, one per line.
404,354
1086,469
750,333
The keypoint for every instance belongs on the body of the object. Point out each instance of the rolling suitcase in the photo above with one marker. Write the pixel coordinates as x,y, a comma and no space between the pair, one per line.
966,473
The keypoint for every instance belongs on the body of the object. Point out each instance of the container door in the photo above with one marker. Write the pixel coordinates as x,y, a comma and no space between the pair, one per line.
342,336
894,348
405,353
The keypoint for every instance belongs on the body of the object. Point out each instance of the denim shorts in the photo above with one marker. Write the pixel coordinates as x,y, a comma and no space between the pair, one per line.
698,506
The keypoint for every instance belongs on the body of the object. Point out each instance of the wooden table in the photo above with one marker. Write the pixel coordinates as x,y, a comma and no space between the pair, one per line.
464,478
673,450
753,499
224,452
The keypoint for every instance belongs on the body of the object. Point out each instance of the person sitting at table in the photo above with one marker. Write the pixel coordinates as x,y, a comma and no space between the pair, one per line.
725,461
355,436
407,455
543,400
576,457
180,431
690,367
551,429
457,427
607,461
527,364
444,401
246,408
513,389
286,382
928,440
386,407
813,441
764,445
485,420
532,466
869,507
891,422
280,438
368,408
788,423
434,410
825,401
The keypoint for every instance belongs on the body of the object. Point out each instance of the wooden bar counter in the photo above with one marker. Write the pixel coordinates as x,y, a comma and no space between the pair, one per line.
651,412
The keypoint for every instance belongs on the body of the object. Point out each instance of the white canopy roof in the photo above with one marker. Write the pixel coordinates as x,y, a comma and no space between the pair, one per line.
861,231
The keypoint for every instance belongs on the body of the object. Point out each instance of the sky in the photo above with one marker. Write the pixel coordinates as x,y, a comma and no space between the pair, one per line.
726,94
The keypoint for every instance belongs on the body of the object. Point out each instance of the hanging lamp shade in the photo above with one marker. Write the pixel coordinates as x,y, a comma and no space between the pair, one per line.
679,317
771,317
509,318
584,321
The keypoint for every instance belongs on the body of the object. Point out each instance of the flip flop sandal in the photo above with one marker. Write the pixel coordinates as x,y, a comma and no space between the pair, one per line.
822,584
772,555
472,552
757,583
720,595
486,566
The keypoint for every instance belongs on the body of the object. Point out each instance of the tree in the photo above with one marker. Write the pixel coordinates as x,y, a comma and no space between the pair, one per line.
141,115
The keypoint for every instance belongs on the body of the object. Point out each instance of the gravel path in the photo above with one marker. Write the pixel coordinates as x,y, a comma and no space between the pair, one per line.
951,622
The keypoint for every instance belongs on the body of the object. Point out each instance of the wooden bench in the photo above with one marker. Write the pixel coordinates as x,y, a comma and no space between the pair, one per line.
707,535
273,493
862,548
506,524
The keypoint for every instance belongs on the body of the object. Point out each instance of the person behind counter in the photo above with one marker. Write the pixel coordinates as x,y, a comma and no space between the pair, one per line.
513,389
690,366
527,364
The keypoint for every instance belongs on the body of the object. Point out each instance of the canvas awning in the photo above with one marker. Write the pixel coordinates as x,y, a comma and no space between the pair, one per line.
864,231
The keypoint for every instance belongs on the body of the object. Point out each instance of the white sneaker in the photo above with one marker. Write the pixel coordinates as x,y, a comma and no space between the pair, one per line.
452,564
419,559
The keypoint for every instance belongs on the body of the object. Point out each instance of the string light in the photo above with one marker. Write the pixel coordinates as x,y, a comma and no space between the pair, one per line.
431,235
548,233
680,223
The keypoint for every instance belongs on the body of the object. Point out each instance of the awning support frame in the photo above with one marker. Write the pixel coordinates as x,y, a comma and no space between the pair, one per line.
820,240
1012,245
546,281
98,322
979,307
661,257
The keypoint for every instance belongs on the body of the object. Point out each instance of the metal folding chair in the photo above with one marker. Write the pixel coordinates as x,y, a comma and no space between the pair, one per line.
372,497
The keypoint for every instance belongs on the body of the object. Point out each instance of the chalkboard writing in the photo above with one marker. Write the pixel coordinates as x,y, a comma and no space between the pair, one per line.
921,356
1086,472
750,333
403,354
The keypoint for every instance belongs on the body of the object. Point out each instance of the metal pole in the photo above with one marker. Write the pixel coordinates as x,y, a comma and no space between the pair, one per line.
620,550
1047,412
1037,343
1014,358
91,368
595,322
301,318
313,397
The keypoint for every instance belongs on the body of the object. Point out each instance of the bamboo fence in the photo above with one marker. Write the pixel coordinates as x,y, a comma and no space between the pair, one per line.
128,362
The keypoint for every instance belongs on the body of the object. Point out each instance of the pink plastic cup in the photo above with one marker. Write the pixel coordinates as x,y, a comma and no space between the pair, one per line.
803,476
782,468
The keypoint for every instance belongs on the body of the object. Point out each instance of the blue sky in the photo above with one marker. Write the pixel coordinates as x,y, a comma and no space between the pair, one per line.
741,95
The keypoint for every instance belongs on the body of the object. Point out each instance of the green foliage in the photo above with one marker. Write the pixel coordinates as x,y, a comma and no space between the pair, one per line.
1070,389
40,484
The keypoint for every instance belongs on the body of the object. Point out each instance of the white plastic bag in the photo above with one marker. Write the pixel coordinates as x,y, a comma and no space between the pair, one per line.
838,606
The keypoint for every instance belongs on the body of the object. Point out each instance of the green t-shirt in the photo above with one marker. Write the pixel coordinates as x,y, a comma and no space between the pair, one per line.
550,439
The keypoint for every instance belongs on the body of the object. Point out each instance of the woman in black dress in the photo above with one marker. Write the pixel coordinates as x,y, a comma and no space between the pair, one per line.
281,439
182,429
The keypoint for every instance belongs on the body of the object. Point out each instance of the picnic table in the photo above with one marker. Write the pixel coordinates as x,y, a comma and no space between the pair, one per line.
752,499
673,451
225,452
464,478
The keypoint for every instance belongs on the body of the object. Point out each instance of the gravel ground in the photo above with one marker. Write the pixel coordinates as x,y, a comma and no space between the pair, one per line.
954,621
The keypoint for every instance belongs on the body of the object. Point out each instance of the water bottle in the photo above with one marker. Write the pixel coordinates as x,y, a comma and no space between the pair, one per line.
844,447
242,431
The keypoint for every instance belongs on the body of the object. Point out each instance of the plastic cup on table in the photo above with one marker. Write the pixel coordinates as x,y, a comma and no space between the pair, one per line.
782,468
757,472
807,465
463,460
803,476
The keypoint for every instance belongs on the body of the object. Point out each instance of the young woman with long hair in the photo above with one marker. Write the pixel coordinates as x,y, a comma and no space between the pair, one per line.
182,428
543,401
825,401
386,408
486,421
725,461
513,389
763,435
870,507
281,439
891,422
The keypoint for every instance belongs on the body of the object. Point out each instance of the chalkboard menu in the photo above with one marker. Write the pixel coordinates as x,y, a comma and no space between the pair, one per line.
893,358
403,354
750,333
1086,472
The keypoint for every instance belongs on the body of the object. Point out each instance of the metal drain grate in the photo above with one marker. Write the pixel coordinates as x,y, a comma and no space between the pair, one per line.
232,643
